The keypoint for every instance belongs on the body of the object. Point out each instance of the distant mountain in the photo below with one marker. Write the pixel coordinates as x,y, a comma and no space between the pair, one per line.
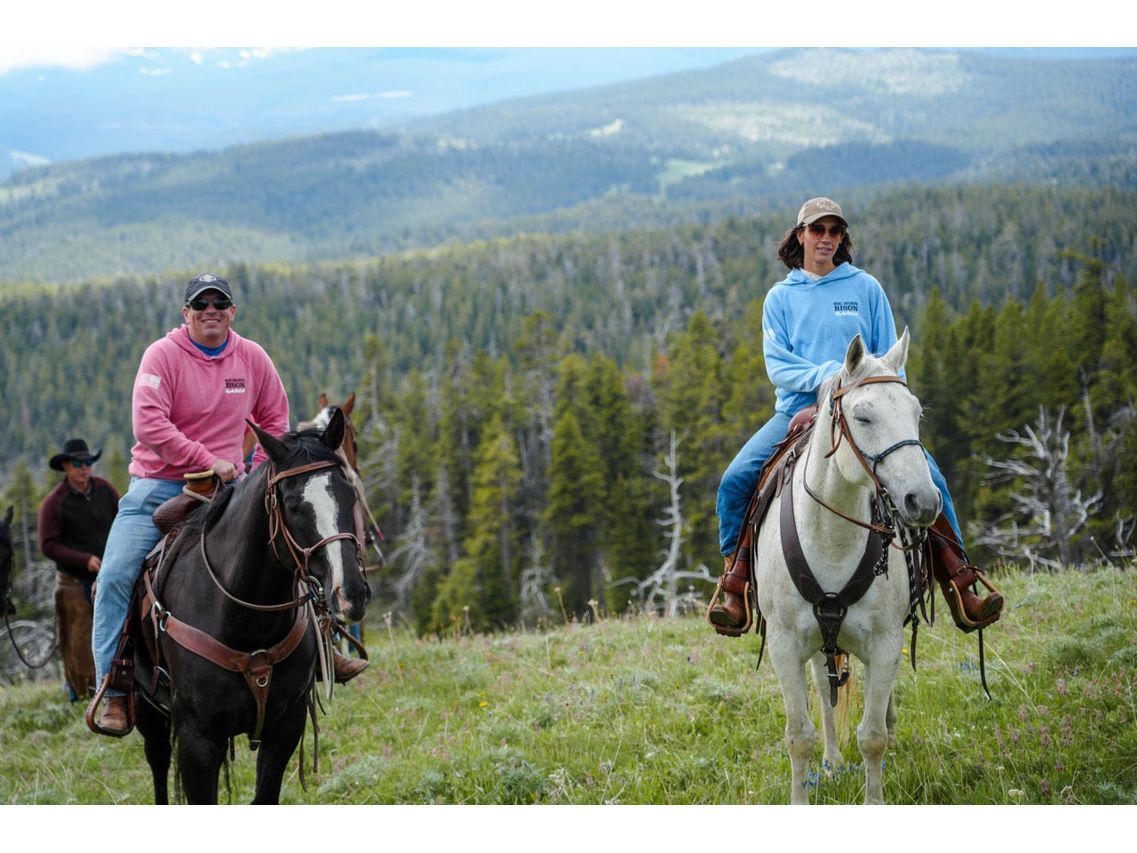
180,100
744,135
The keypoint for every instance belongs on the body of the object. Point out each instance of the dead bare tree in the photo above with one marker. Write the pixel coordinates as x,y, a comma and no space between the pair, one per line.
412,551
660,589
535,579
1054,511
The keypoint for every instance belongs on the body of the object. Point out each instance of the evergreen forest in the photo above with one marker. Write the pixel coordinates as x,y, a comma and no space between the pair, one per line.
542,416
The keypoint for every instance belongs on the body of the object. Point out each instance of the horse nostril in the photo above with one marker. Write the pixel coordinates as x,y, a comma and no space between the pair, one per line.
919,509
913,506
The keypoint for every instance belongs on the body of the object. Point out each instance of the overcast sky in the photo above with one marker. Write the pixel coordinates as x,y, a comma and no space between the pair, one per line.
76,34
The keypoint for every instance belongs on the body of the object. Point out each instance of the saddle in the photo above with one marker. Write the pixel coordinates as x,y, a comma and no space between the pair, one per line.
200,489
768,485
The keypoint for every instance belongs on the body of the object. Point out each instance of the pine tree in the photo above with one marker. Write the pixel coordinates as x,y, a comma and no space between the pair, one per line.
574,509
692,391
623,440
485,577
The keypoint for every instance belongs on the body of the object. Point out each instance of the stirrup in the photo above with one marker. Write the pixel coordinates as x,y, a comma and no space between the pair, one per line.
91,716
959,614
727,630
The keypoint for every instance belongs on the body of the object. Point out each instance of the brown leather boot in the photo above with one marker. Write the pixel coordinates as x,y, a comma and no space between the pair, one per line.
114,715
344,669
730,612
957,577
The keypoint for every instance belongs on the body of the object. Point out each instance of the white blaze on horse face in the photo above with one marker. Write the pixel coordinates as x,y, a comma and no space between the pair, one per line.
318,494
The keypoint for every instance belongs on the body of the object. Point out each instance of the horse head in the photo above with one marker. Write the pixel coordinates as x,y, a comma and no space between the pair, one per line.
874,423
318,509
323,417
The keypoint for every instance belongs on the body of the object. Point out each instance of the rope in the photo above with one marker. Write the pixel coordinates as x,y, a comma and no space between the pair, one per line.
20,653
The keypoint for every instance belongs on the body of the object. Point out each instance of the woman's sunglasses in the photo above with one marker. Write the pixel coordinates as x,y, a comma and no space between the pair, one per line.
817,230
220,303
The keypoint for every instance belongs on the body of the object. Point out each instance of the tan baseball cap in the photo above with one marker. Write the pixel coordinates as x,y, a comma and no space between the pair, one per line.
817,208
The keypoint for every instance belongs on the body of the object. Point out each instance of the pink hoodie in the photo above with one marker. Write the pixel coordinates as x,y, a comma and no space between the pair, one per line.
189,409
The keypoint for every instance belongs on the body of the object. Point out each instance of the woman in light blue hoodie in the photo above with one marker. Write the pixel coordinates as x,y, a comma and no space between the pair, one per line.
808,320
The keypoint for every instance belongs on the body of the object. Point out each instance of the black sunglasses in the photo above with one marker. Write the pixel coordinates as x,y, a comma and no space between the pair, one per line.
221,303
817,229
82,463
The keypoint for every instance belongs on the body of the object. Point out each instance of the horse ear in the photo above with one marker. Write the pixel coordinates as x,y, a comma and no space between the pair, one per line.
323,399
349,404
334,432
898,355
272,445
855,355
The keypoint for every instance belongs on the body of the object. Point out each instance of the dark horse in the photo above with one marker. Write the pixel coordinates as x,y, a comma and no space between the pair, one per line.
6,606
244,585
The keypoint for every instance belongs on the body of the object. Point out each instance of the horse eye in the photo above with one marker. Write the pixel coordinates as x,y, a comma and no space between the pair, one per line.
862,419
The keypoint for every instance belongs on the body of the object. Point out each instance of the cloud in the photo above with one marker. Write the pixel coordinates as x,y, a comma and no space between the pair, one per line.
13,58
374,96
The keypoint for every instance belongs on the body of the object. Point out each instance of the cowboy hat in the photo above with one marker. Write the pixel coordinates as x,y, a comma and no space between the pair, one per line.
74,448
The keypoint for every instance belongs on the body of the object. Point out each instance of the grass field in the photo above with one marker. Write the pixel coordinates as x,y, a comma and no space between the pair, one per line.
641,710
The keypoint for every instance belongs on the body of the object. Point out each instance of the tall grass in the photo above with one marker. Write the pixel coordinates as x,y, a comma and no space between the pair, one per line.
650,711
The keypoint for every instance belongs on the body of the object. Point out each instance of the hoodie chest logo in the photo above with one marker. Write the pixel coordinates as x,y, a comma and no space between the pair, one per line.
845,309
235,386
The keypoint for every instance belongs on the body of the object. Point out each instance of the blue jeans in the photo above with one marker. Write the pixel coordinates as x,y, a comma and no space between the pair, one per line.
741,476
131,537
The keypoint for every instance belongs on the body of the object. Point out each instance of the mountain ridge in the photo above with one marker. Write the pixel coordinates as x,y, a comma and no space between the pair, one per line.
685,145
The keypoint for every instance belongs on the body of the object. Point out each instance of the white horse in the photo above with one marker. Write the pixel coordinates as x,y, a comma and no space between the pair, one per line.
865,438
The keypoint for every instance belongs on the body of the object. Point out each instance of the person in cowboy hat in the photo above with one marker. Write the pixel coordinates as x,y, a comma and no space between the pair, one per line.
74,520
808,320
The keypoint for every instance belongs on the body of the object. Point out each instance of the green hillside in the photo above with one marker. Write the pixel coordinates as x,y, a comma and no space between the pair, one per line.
643,710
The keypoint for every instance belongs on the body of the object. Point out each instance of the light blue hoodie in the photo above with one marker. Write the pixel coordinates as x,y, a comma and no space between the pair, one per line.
807,326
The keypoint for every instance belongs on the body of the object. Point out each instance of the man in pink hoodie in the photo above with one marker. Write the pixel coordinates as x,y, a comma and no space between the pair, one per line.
194,389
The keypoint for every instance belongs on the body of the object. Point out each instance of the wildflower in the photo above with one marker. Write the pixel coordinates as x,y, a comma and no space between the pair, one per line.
1061,687
1067,730
483,704
1015,793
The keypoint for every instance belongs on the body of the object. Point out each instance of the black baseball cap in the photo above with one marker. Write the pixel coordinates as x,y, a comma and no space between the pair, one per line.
206,281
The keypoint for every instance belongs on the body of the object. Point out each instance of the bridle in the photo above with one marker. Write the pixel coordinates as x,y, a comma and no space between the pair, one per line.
279,529
838,432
